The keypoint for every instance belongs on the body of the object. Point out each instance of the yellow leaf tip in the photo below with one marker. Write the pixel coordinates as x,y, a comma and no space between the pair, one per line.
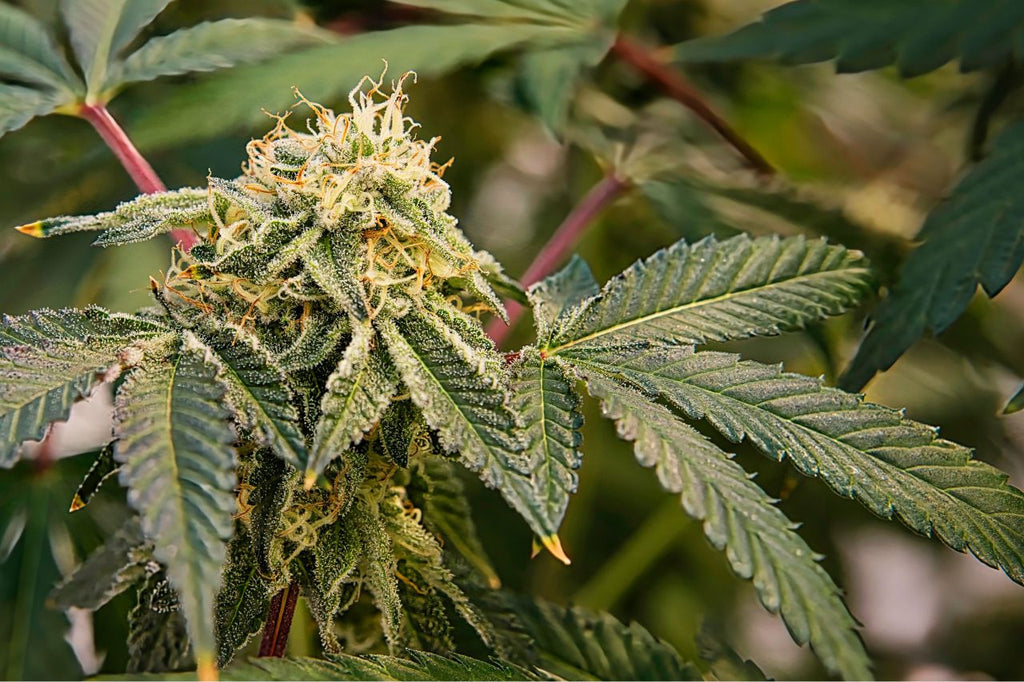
309,481
76,503
206,668
32,229
554,545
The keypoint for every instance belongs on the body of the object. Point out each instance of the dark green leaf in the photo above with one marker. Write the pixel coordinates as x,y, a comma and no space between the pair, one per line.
110,570
242,600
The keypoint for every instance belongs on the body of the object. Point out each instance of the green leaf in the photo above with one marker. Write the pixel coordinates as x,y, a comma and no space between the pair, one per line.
28,53
916,35
19,105
716,291
547,79
896,467
1016,403
103,467
133,221
51,358
357,393
174,444
416,665
460,401
549,406
100,29
974,237
158,639
110,570
257,392
242,600
576,644
326,73
561,294
210,46
739,517
336,556
378,567
532,10
334,263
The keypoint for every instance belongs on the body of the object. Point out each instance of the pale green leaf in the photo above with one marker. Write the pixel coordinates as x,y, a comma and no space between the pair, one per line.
19,105
258,392
916,35
975,237
739,517
1016,403
547,79
896,467
561,294
51,358
357,393
100,29
549,406
28,52
575,644
175,448
212,45
716,291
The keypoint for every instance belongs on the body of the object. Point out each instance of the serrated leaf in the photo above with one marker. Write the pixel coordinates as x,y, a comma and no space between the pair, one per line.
896,467
132,221
916,35
258,393
242,599
103,467
336,555
158,640
210,46
739,517
573,643
357,393
415,665
110,570
28,52
19,105
716,291
378,568
175,447
327,73
975,237
334,263
100,29
467,409
549,406
560,294
51,358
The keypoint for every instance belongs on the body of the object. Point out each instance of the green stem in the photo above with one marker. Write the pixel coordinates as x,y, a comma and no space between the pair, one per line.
633,559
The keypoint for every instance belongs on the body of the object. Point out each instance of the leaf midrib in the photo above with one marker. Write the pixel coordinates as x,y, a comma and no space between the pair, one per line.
853,271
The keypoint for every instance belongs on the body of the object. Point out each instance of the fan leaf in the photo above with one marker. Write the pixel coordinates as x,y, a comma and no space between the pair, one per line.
739,517
28,53
110,570
716,291
174,444
917,35
975,237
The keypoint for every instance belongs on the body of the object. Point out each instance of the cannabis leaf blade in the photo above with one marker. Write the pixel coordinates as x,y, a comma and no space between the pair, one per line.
110,570
974,237
759,541
174,444
20,105
561,294
51,358
28,52
358,392
714,291
210,46
896,467
468,411
100,29
549,407
242,599
258,392
917,35
574,643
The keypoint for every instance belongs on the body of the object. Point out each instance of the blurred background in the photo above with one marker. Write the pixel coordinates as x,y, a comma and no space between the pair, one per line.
862,158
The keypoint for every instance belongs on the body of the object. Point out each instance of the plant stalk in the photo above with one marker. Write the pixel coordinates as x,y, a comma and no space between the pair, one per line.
678,88
133,161
562,241
279,622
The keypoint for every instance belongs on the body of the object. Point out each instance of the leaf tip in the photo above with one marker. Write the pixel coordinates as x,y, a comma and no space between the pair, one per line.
310,480
206,667
554,545
32,229
76,503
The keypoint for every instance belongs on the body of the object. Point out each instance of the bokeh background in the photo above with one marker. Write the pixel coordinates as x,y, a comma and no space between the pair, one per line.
862,159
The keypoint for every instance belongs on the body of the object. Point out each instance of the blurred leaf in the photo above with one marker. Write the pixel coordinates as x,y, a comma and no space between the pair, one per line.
110,570
234,100
916,35
547,79
975,237
29,54
210,46
725,664
103,467
20,105
1016,403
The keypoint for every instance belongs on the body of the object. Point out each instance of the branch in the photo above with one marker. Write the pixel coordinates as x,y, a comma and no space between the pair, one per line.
565,237
132,160
677,87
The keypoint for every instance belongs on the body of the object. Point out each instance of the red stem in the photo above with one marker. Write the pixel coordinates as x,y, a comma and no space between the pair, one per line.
565,237
279,622
677,87
133,161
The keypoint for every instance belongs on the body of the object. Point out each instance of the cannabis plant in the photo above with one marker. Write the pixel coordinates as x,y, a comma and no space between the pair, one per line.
288,414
